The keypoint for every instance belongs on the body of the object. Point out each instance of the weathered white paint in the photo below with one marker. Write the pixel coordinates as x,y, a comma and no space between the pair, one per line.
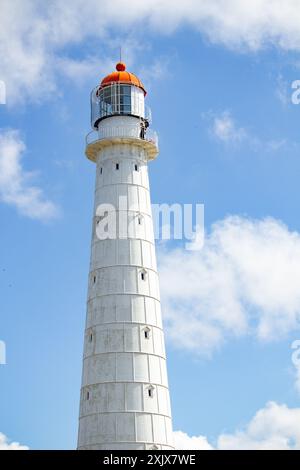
124,354
128,124
137,101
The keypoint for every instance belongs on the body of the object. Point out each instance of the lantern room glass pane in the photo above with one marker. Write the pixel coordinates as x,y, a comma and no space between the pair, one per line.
125,99
116,99
125,90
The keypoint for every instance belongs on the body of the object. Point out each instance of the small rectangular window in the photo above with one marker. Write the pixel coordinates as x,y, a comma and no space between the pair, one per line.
94,279
126,100
150,392
87,395
101,170
117,166
143,276
136,168
125,90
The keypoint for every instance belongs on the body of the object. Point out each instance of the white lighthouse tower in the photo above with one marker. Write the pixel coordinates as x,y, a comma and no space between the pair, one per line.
124,400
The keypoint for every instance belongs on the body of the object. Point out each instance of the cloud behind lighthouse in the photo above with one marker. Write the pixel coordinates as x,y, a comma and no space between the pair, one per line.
38,36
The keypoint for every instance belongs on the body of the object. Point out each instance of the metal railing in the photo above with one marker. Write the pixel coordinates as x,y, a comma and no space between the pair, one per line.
133,132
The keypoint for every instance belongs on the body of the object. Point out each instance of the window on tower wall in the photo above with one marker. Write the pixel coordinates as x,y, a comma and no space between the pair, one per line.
147,333
136,167
117,166
150,391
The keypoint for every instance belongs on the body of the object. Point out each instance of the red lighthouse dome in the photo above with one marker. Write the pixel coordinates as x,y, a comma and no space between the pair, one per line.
122,76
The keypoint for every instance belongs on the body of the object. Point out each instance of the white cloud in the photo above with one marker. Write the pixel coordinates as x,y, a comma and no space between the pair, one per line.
5,444
80,70
276,145
225,128
296,361
274,427
183,441
245,280
35,36
16,186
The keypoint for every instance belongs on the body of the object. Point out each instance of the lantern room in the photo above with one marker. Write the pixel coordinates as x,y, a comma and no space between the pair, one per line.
120,93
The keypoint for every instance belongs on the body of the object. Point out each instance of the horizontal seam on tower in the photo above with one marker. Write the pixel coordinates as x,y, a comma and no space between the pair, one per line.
123,183
122,412
125,352
124,156
126,266
127,442
134,211
125,323
83,387
128,238
124,293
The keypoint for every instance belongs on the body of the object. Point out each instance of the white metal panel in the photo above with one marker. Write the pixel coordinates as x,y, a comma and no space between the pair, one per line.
154,369
138,309
141,373
124,363
132,339
123,312
158,423
106,428
150,311
125,427
144,428
134,397
116,397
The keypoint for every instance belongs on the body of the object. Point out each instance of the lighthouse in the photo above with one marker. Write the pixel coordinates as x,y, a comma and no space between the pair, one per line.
124,400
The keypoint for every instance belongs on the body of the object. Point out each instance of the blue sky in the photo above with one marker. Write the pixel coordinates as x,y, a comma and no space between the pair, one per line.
220,93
